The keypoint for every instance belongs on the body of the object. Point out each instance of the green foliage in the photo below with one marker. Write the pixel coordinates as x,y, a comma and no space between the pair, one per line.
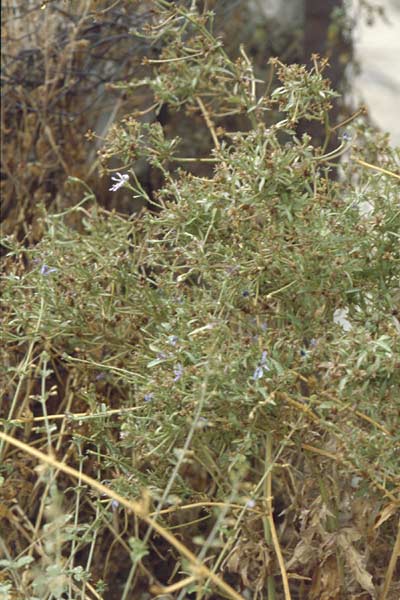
258,301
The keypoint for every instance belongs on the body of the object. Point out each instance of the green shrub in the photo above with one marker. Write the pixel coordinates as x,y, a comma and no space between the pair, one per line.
240,335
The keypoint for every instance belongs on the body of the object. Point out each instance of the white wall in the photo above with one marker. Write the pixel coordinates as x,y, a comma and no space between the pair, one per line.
378,51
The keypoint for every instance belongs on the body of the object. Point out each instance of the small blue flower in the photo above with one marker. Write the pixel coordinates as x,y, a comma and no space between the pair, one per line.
148,397
178,372
46,270
120,181
261,367
258,373
304,352
346,136
173,339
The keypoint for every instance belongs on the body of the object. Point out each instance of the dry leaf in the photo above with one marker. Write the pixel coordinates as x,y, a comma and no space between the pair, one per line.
251,560
326,583
355,561
385,514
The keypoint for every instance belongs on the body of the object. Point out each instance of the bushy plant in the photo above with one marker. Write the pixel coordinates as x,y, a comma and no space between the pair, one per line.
232,350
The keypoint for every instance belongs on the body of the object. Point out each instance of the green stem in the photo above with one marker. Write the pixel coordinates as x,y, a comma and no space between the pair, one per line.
267,495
